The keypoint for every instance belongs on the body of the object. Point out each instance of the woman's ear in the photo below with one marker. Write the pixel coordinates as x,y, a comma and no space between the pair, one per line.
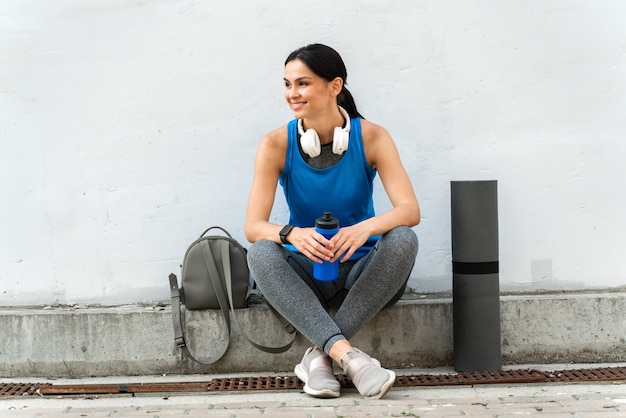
336,86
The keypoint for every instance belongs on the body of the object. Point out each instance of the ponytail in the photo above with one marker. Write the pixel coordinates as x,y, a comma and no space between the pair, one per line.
345,100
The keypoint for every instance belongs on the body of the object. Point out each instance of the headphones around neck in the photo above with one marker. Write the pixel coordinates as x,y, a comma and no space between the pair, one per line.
310,141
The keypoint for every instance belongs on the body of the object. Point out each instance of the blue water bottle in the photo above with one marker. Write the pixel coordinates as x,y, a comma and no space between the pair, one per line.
328,226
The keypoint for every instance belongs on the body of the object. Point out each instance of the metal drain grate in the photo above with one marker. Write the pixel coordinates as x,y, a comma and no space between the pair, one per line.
472,378
110,389
20,389
615,374
587,375
255,383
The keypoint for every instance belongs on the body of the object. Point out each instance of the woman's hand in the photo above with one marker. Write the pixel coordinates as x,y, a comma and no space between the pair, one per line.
348,240
312,244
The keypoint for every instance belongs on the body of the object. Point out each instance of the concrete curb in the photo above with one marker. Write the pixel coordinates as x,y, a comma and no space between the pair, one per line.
417,332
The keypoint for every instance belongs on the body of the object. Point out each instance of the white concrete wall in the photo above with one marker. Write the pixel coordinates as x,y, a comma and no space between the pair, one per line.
128,127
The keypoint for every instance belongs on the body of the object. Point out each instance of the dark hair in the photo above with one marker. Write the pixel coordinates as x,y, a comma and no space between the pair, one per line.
327,63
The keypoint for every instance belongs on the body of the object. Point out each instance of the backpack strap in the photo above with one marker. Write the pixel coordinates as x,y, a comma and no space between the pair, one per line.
216,227
225,248
220,293
179,333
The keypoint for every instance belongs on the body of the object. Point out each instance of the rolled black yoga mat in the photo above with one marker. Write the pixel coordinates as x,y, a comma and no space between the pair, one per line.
475,276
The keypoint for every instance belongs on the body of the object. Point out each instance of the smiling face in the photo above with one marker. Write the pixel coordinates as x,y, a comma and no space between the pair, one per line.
308,94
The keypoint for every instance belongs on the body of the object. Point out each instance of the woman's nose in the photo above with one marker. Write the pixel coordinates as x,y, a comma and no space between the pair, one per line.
292,92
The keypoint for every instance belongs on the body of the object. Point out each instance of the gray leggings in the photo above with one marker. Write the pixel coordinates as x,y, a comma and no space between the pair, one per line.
363,287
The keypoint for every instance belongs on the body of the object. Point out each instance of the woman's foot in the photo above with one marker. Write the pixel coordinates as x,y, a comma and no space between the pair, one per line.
371,380
316,371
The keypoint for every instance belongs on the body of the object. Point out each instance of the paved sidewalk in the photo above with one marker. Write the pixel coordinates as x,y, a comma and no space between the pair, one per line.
553,400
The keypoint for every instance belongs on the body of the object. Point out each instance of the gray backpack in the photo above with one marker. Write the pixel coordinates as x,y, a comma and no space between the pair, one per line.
215,275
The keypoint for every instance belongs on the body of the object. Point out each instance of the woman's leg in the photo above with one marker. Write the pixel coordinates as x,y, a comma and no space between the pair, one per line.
288,293
375,281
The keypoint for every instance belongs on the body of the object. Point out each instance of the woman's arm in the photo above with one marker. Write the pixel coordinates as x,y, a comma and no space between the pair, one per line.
268,164
381,154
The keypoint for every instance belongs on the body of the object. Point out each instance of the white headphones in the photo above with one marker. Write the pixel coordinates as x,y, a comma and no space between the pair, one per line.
310,141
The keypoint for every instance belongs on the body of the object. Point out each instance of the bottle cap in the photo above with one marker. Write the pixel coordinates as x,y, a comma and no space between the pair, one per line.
328,221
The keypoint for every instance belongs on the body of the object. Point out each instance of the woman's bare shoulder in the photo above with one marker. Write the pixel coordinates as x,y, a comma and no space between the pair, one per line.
376,142
275,140
372,131
272,149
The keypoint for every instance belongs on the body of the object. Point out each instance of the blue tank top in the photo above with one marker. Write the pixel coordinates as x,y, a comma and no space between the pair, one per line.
345,189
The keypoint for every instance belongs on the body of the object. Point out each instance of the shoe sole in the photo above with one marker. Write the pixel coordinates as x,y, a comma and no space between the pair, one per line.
324,393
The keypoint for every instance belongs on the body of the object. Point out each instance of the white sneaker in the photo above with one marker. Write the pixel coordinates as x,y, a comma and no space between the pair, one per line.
316,371
371,380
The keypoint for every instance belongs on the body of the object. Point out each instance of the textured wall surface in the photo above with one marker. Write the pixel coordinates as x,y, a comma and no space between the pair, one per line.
128,127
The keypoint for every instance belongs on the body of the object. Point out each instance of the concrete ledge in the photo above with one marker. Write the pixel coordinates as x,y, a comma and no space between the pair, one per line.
417,332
